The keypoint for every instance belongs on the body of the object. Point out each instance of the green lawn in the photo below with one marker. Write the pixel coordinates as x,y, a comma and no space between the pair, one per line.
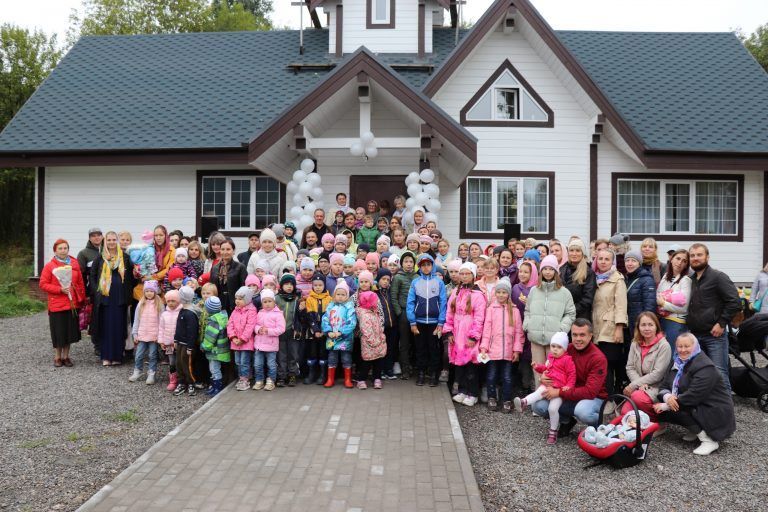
15,270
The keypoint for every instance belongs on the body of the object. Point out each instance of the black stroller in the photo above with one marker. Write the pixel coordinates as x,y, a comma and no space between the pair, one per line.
750,381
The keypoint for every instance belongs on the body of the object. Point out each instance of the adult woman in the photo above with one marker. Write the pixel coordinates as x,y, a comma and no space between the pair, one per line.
185,241
648,249
609,315
174,238
543,250
394,223
63,302
214,250
475,251
125,239
165,256
599,245
372,209
694,396
549,309
462,252
112,279
228,275
641,290
579,279
760,290
673,295
556,250
647,364
269,253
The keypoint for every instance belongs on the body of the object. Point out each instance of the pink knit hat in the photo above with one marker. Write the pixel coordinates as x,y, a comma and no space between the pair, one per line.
549,261
336,257
328,237
252,279
341,239
360,264
268,279
372,257
341,284
454,264
365,275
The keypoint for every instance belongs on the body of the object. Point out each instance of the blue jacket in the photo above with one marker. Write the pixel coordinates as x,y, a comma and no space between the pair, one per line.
330,284
641,295
427,300
340,318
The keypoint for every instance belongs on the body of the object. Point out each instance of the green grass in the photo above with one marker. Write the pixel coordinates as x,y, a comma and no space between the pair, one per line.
16,264
35,443
74,437
128,416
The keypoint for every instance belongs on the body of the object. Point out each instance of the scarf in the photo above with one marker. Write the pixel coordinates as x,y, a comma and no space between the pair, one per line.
680,366
223,271
318,302
650,261
603,277
109,264
508,271
65,261
162,252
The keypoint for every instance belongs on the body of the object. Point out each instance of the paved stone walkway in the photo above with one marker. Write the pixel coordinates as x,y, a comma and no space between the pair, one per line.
395,450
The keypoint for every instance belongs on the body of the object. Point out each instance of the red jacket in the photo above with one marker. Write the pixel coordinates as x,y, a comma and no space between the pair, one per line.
58,301
591,369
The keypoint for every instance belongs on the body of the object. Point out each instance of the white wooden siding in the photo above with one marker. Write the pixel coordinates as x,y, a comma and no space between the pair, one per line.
402,39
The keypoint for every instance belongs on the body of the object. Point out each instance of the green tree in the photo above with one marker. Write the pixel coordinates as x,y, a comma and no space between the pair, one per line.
235,17
259,8
757,44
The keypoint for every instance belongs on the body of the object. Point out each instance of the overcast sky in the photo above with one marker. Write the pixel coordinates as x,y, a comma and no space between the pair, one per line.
652,15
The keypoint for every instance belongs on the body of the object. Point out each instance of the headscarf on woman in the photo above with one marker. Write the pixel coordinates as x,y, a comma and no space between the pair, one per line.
110,263
680,363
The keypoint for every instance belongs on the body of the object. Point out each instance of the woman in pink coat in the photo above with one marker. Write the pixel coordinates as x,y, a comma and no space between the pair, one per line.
241,329
464,328
502,342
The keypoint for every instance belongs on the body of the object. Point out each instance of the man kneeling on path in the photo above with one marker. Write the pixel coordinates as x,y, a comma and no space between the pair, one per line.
583,401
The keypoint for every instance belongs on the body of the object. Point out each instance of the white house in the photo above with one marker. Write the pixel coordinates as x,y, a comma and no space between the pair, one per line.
588,133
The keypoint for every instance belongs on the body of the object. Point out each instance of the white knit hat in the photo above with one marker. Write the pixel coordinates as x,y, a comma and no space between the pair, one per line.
560,338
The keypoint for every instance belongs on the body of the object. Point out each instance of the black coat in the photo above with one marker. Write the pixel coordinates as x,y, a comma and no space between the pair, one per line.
187,328
235,279
714,300
641,295
702,393
583,294
123,296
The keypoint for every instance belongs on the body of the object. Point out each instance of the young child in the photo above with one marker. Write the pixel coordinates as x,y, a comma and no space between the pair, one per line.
146,322
339,322
401,284
268,282
182,262
166,332
341,244
393,264
412,243
464,329
349,265
384,280
338,221
453,275
626,431
270,324
528,277
562,372
260,269
489,279
398,241
324,263
173,280
241,329
254,284
503,343
187,325
304,279
382,225
368,233
215,343
382,244
372,262
201,367
362,251
373,342
290,231
337,275
316,353
288,355
328,241
359,217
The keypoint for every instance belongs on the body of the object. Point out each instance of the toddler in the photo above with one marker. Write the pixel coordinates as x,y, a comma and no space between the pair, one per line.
241,329
270,324
339,322
254,284
146,322
173,280
167,331
215,343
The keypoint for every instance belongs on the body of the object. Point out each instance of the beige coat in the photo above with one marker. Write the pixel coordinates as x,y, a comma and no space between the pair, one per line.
609,307
650,370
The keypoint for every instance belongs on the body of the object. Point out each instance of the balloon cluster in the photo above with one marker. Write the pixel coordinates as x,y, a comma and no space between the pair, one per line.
306,194
365,146
422,194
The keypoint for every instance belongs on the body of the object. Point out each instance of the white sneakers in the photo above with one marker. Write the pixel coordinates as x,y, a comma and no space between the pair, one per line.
136,375
459,398
396,369
470,401
707,446
150,378
270,385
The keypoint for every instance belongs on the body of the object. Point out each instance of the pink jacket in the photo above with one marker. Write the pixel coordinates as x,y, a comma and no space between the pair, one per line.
274,321
166,331
146,322
465,324
500,339
483,285
561,370
242,324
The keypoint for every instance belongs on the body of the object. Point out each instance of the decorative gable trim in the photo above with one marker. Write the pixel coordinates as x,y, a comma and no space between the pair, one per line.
369,24
507,66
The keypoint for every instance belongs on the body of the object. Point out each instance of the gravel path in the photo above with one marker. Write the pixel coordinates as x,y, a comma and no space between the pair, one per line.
66,432
516,470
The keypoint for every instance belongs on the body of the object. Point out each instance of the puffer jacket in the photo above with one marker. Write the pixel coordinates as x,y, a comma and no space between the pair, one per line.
242,325
215,342
583,294
500,339
166,331
651,369
609,308
426,300
274,321
465,324
146,321
561,370
340,318
548,311
641,295
401,285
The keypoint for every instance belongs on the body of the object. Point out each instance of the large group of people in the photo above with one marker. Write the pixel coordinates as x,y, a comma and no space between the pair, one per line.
557,326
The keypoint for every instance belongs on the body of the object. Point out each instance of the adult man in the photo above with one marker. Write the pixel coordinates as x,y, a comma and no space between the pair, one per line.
584,400
253,246
85,259
714,301
318,227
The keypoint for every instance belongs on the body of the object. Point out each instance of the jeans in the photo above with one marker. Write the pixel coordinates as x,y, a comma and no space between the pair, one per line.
717,350
333,358
671,331
215,368
244,362
144,348
586,411
258,363
503,369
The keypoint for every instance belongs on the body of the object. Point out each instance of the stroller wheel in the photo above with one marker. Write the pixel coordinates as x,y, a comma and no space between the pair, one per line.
762,402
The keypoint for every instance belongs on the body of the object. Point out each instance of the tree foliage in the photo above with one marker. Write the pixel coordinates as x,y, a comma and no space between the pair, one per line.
757,44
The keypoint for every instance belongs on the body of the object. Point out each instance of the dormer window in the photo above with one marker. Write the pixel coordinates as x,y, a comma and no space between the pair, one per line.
380,14
507,104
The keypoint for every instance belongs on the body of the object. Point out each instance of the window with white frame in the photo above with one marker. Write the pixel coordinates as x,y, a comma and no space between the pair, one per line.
495,201
694,207
506,100
380,12
241,202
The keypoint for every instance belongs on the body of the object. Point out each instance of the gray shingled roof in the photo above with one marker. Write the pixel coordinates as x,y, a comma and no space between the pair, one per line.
180,91
680,91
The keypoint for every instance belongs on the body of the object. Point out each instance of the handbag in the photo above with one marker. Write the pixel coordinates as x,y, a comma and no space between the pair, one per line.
758,304
84,315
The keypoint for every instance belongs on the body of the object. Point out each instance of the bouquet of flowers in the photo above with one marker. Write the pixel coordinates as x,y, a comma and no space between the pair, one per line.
64,275
143,255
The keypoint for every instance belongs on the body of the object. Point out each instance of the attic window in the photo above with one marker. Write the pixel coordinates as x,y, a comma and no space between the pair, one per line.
507,99
380,14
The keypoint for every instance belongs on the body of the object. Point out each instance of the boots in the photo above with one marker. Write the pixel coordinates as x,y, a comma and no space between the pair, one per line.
331,378
216,387
311,373
172,381
420,378
322,373
707,446
348,378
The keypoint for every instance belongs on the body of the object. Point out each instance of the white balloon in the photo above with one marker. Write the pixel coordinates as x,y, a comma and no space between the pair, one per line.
314,179
371,152
306,220
296,212
407,218
421,198
292,187
299,199
413,176
409,180
299,176
433,205
316,194
305,188
414,189
307,165
367,139
356,149
410,203
319,203
428,217
432,190
310,208
427,175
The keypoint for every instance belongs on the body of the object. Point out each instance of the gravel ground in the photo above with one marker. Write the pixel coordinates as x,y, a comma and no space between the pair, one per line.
66,432
517,471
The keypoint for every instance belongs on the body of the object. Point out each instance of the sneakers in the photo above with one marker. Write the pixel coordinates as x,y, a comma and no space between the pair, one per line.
242,384
492,404
707,446
180,389
551,436
459,398
520,404
191,391
150,378
291,381
506,407
470,401
136,375
362,385
377,384
444,376
396,369
280,383
389,376
269,386
259,384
